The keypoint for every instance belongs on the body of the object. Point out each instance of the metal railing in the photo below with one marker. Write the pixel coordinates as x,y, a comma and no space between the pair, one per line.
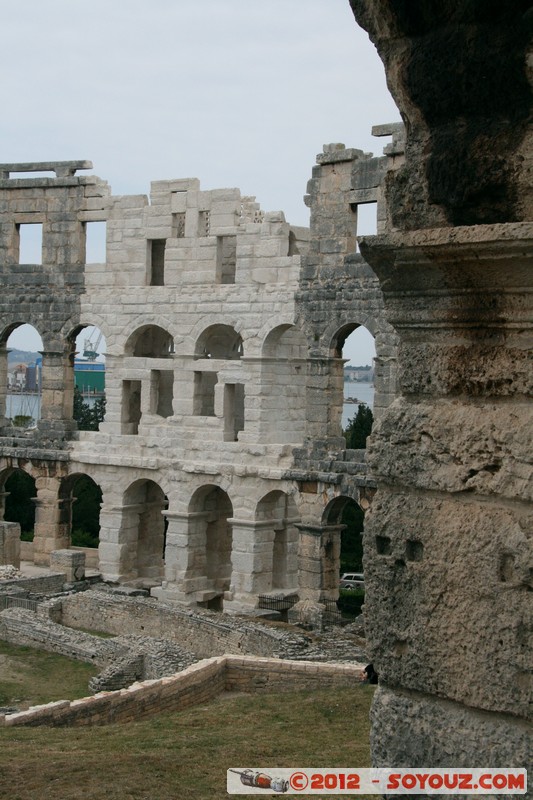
277,603
11,601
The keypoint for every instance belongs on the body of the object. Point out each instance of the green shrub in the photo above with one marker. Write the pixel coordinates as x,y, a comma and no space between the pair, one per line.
350,601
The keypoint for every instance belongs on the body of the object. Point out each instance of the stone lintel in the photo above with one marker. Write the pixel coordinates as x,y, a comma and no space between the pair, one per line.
62,169
388,129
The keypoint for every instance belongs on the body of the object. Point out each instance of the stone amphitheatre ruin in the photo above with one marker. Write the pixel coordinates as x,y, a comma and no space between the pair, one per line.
221,460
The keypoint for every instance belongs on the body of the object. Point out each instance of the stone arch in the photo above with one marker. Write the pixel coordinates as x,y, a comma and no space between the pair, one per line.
284,341
276,517
346,513
210,512
150,341
219,341
143,529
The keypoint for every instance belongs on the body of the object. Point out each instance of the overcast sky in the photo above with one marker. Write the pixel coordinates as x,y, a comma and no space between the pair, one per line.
233,92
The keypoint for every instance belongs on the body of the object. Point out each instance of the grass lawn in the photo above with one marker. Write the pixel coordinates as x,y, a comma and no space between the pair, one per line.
185,755
31,677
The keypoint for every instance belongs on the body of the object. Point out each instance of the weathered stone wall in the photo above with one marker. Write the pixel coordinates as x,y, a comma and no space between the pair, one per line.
47,295
448,541
38,584
223,375
204,634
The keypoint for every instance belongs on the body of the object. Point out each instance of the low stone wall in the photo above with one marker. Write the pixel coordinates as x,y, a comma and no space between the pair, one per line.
201,632
124,659
197,684
40,584
26,628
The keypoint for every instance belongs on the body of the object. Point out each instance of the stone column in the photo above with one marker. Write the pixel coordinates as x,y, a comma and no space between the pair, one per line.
185,559
325,392
52,520
318,562
3,385
114,550
57,394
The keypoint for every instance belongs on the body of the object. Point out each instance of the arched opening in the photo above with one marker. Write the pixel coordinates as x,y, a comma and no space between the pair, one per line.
21,375
81,499
17,496
150,341
87,377
219,341
144,527
355,345
276,515
210,527
345,511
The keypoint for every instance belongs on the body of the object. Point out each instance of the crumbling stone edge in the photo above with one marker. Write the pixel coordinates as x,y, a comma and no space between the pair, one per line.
199,683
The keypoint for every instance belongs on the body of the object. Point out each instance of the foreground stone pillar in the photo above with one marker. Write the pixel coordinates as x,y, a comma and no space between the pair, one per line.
448,561
448,548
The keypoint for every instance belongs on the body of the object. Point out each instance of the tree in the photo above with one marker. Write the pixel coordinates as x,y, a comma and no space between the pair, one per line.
22,421
359,428
87,417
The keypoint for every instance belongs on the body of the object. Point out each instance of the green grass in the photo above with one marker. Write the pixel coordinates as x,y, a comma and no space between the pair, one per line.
185,755
31,677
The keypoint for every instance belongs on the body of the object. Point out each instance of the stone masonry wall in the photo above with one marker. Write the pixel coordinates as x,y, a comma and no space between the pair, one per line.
198,684
204,634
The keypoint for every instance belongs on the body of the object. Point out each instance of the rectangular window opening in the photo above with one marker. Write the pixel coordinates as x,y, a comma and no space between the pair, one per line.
95,242
162,388
204,393
367,220
30,236
226,259
156,256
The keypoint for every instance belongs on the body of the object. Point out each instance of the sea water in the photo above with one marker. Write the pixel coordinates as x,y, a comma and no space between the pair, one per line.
363,392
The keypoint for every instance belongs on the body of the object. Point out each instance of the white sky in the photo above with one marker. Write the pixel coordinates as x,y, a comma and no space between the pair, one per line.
236,93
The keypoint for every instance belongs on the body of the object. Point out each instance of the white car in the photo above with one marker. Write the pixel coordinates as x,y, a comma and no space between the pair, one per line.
352,580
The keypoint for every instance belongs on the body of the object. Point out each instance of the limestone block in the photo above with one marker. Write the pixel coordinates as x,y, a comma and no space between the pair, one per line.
71,562
474,584
10,543
416,730
450,445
